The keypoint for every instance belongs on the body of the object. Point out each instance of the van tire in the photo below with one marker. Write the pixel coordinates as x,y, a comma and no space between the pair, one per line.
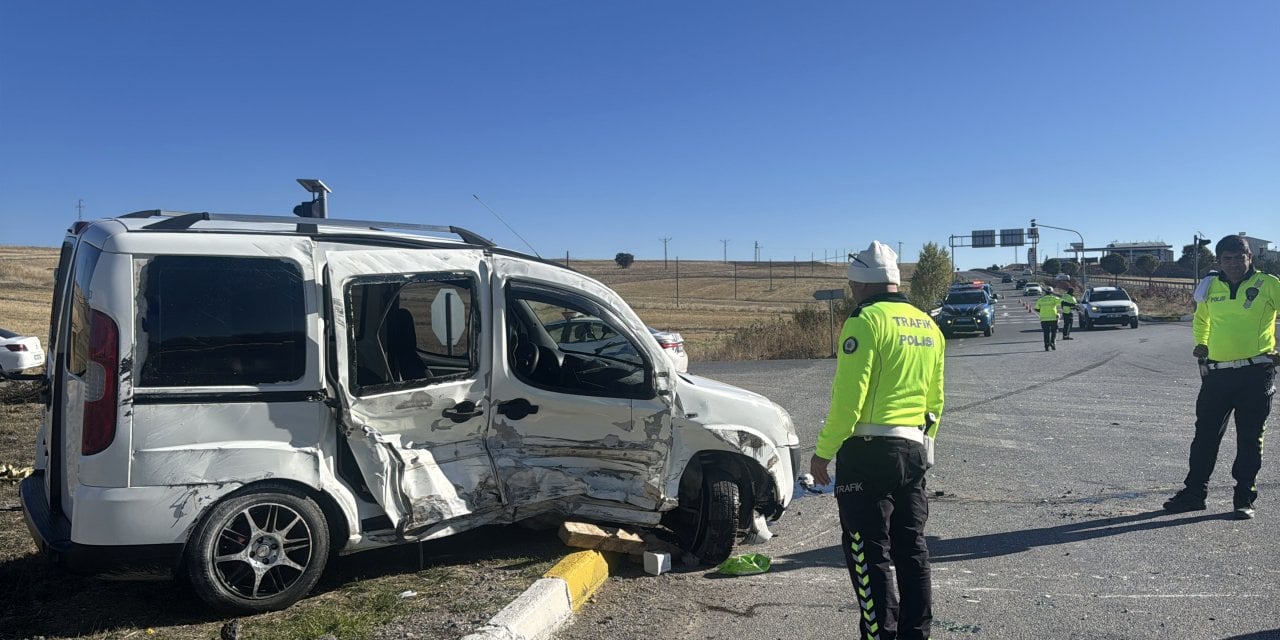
718,518
285,528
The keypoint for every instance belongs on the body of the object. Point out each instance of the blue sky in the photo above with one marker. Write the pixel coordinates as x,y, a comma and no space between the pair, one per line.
594,127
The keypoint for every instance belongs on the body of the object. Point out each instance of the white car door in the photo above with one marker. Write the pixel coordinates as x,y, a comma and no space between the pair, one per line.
412,352
581,420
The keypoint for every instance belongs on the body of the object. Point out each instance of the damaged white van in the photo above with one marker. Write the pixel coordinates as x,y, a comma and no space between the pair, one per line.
233,398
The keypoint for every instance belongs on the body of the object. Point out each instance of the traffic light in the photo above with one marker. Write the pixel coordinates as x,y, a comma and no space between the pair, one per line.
1202,242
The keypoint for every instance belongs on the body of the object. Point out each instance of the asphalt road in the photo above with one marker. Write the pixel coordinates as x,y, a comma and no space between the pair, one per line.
1045,520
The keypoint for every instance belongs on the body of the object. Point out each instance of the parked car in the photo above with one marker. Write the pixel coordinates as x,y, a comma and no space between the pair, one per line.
588,334
394,384
18,352
1032,290
672,344
967,311
1107,305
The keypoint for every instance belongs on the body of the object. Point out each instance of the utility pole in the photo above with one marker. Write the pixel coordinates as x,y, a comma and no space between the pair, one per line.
80,209
757,256
726,249
1197,242
664,242
899,252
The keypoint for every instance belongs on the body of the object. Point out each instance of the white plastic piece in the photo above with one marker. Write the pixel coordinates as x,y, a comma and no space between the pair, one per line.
760,532
656,563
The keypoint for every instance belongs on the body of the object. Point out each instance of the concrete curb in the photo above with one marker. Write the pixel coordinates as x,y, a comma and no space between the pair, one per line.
549,603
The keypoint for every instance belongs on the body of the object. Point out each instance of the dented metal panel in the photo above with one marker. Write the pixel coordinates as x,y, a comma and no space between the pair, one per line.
422,466
228,442
608,449
714,416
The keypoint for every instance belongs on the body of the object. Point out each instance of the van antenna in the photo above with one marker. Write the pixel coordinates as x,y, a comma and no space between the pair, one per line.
504,223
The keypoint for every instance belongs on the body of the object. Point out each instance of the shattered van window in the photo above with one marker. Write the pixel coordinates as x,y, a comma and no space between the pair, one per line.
215,321
411,331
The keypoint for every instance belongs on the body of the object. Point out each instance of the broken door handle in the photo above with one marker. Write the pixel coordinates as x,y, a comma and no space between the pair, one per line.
516,409
462,412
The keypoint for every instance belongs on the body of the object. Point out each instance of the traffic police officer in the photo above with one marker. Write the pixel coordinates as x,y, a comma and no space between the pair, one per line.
885,402
1068,307
1235,333
1048,306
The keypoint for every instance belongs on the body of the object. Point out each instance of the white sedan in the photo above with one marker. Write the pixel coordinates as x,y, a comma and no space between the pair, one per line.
589,334
18,352
673,345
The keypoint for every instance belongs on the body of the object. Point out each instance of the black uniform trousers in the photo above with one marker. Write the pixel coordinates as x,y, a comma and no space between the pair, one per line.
880,489
1066,325
1247,391
1050,330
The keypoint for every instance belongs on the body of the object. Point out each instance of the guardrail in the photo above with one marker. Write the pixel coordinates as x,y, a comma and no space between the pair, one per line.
1096,280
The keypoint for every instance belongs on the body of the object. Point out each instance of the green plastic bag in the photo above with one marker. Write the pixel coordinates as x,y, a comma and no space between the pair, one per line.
745,565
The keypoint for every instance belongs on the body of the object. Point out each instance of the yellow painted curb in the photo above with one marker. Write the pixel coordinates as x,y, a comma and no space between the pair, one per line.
583,572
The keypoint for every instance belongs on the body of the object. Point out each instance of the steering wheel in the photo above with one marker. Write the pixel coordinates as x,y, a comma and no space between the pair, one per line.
525,357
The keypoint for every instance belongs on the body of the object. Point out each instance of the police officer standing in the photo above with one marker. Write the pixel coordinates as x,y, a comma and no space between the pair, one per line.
885,401
1068,307
1235,333
1048,306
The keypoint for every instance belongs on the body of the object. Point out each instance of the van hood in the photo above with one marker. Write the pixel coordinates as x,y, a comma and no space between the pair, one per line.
963,309
713,403
1113,305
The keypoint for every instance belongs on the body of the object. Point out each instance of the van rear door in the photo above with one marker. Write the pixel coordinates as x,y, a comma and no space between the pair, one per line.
410,330
49,456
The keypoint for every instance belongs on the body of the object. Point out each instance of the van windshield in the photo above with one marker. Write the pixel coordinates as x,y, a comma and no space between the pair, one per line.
968,297
1104,296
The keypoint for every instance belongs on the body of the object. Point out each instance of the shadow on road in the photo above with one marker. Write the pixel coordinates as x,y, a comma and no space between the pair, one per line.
1009,542
1273,634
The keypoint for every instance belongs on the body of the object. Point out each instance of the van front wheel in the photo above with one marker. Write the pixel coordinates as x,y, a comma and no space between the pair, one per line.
717,526
259,551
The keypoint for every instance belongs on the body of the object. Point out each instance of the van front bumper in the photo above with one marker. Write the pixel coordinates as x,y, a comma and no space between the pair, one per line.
52,534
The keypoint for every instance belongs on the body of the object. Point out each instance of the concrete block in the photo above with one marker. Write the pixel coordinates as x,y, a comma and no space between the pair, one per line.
656,563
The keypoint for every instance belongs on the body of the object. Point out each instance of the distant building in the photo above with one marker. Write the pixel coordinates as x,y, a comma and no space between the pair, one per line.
1257,246
1132,250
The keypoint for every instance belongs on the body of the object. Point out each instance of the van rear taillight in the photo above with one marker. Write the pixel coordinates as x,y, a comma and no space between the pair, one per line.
101,382
16,347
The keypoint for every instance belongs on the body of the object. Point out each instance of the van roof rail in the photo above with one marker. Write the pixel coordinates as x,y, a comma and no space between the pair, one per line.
177,221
